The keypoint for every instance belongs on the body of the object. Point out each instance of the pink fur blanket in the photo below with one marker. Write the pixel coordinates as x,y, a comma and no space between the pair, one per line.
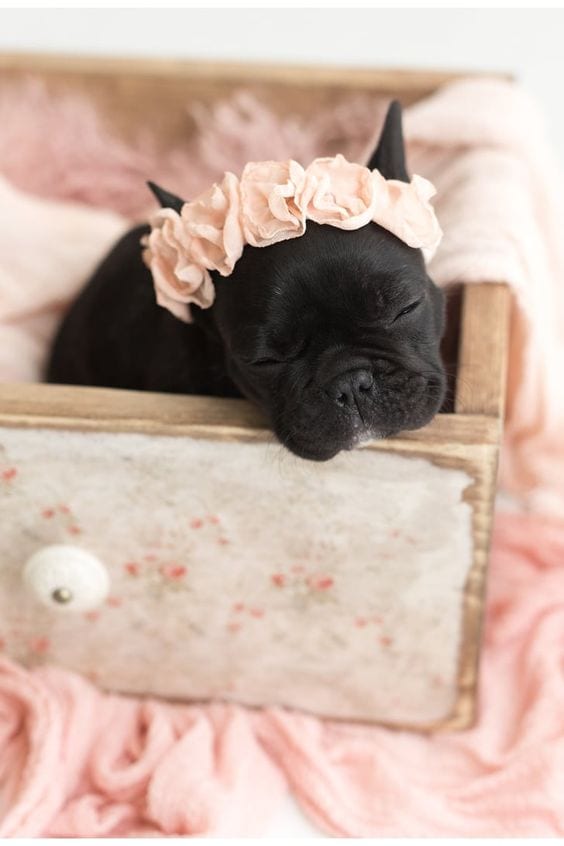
74,761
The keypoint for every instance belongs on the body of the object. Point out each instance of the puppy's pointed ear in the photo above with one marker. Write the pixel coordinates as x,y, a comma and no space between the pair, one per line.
165,198
389,155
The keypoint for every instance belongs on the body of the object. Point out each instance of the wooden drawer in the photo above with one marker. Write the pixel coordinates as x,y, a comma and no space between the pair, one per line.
353,589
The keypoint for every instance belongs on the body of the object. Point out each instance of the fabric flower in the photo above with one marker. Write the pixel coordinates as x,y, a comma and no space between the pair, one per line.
268,197
178,279
213,222
403,208
338,193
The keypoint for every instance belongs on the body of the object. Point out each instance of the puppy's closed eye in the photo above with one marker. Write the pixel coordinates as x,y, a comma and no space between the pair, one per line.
266,362
408,309
286,357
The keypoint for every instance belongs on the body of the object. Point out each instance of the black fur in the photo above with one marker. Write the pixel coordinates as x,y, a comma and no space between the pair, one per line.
334,334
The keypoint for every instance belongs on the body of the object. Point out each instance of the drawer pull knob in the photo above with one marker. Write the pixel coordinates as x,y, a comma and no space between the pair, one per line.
66,577
62,595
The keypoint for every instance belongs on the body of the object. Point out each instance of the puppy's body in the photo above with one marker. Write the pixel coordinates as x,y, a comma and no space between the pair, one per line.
334,334
115,335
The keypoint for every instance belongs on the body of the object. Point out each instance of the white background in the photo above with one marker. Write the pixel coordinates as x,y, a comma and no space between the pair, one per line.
526,42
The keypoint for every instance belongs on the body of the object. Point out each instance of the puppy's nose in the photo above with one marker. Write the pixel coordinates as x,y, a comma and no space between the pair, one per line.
346,390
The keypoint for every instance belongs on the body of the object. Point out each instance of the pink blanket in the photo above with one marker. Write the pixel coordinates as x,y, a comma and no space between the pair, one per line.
75,761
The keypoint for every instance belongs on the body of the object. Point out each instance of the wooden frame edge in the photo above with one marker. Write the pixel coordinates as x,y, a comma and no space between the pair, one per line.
43,405
405,80
483,349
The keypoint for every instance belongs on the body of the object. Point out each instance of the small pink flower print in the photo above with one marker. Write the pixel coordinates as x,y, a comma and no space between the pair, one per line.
297,568
238,607
132,568
257,613
92,616
234,627
196,523
67,519
213,518
40,645
278,579
9,474
114,601
362,622
323,583
176,572
222,541
395,533
386,641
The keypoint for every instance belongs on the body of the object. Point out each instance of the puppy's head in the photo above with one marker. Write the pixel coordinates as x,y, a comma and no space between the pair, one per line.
335,334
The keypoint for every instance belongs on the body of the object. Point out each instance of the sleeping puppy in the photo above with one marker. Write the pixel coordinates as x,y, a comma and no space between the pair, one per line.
335,335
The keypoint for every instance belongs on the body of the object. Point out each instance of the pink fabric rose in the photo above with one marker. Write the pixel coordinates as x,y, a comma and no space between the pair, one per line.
338,193
213,222
403,208
268,198
178,279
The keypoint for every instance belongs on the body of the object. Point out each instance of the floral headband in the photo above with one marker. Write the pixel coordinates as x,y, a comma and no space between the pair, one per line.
271,202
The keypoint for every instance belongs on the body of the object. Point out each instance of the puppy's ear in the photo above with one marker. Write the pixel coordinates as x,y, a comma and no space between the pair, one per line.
165,198
389,155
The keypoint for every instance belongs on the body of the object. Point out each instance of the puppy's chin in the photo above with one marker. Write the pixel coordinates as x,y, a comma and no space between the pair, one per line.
310,453
325,451
327,445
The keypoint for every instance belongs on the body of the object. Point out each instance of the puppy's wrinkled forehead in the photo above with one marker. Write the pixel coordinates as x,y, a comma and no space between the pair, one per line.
328,276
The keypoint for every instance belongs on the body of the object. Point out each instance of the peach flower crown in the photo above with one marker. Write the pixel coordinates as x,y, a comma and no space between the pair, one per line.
271,202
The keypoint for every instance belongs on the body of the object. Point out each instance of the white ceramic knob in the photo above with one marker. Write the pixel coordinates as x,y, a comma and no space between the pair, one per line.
67,578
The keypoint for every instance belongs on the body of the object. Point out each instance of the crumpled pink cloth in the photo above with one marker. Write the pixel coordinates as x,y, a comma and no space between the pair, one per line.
78,762
48,250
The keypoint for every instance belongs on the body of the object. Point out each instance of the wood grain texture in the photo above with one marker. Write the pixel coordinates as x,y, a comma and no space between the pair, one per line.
410,80
483,347
480,495
111,410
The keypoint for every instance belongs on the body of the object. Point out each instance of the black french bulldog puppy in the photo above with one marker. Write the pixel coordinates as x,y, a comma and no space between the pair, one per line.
335,335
